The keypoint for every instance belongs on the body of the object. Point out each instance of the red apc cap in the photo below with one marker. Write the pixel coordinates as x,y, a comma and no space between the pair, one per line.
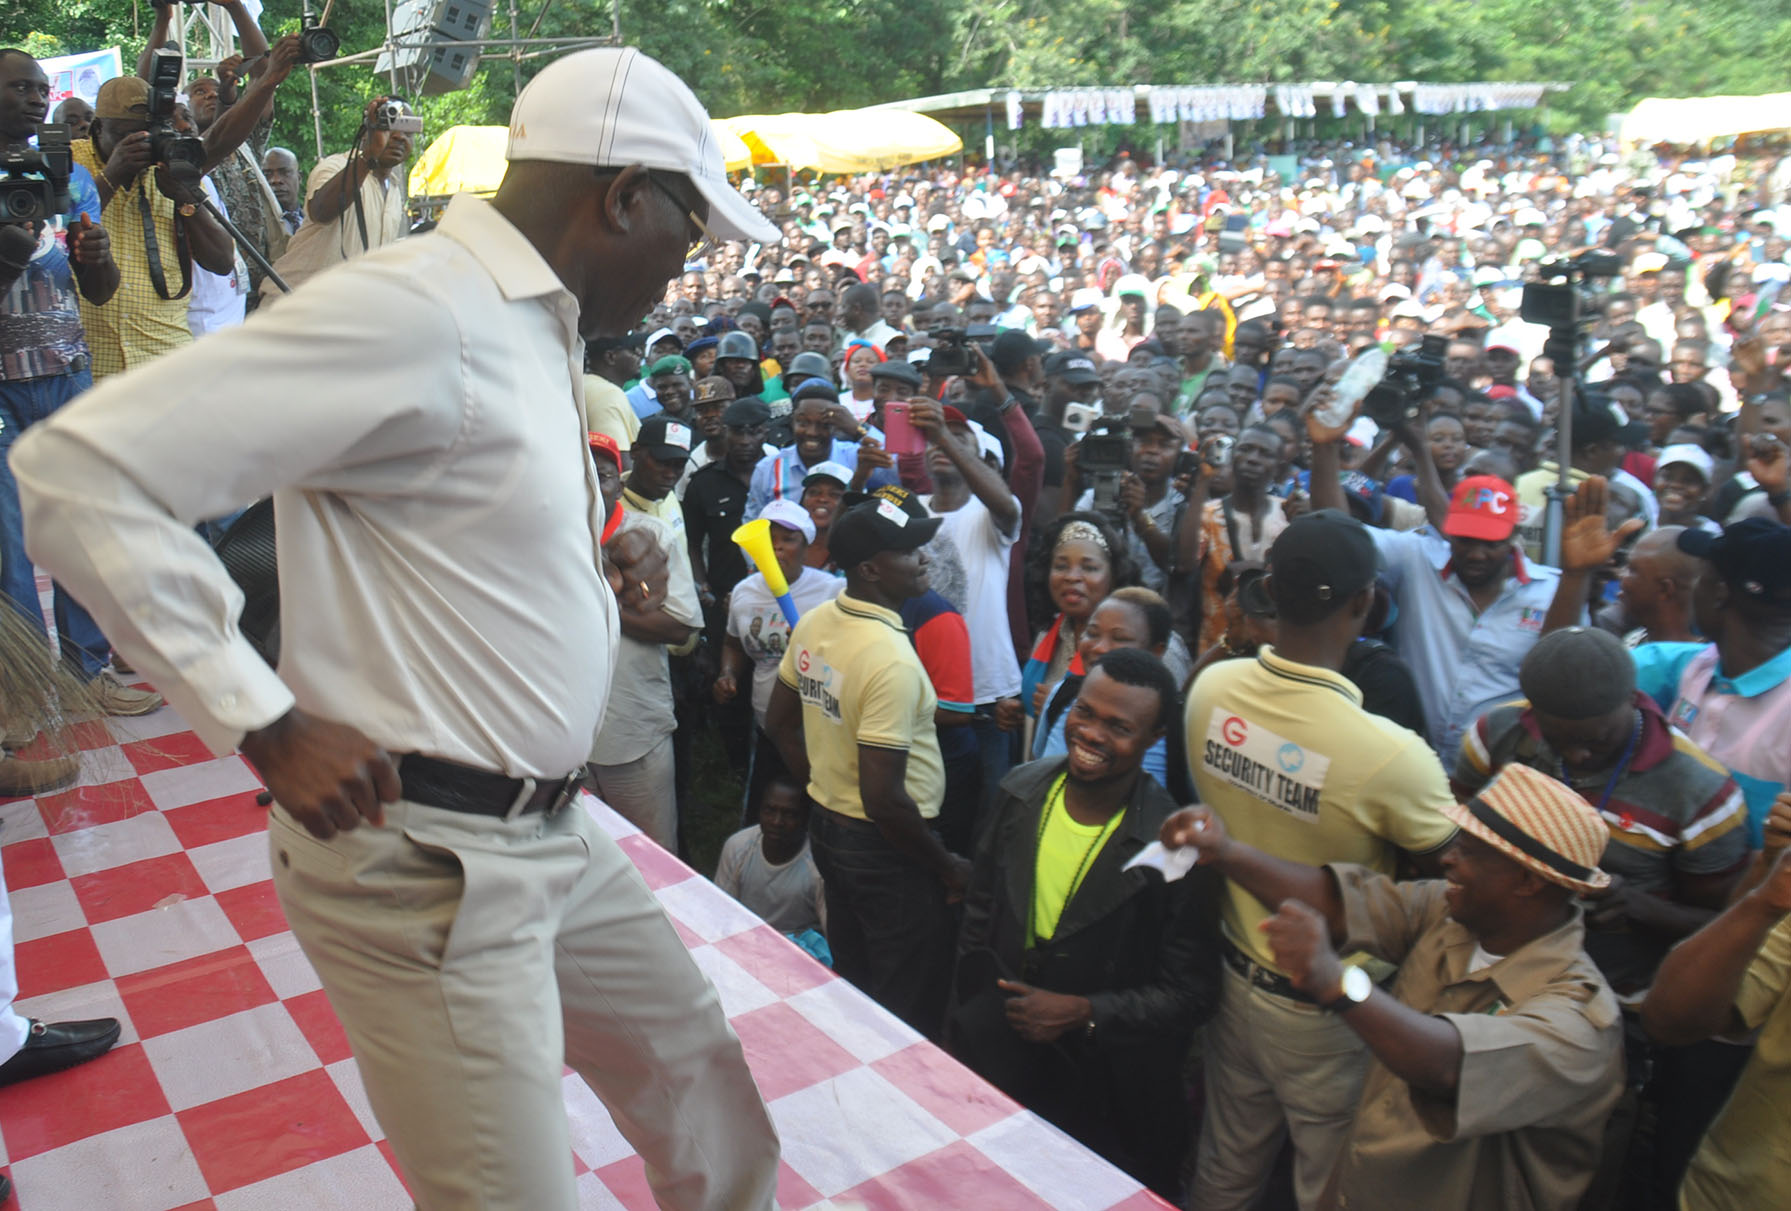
1483,507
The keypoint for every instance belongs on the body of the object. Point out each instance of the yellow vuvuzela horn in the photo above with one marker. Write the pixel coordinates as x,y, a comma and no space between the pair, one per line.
755,539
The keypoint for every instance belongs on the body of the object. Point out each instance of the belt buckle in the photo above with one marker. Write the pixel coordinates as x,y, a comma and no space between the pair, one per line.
569,788
522,799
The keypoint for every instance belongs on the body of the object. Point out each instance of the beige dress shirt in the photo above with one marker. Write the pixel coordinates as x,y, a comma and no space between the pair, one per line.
417,418
1541,1064
318,246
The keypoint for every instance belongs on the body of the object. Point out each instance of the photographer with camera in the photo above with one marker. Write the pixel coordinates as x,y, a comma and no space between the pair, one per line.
159,229
1140,499
234,126
47,264
354,201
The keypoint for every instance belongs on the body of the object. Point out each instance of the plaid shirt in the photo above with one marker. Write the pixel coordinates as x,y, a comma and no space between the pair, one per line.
137,324
40,313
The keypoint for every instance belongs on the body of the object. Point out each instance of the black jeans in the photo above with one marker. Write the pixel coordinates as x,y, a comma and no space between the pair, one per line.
888,924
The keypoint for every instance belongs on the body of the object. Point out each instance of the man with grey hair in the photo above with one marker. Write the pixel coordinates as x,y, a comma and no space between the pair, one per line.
447,647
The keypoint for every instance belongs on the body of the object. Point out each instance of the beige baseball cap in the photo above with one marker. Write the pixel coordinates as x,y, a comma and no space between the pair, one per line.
614,106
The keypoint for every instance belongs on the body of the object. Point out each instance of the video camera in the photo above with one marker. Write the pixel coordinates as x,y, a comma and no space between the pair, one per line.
1412,374
34,180
1564,298
395,116
167,146
951,349
318,43
1103,458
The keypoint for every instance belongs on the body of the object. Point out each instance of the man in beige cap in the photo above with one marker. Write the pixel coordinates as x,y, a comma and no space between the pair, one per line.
449,637
159,232
1498,1053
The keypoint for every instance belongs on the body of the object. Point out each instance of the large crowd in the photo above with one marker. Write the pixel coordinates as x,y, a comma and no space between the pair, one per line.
1006,514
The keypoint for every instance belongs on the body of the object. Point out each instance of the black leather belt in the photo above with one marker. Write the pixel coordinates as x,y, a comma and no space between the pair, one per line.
460,788
1265,978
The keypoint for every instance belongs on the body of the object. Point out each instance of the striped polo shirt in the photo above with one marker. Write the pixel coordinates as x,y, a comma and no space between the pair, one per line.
1672,811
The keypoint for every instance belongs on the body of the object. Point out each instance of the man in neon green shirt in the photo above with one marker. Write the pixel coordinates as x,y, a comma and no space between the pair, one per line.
1079,983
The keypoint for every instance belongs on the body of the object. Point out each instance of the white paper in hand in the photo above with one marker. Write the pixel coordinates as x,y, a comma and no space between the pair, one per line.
1173,863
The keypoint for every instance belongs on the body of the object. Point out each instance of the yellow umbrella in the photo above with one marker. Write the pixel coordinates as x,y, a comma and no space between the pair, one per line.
844,141
462,159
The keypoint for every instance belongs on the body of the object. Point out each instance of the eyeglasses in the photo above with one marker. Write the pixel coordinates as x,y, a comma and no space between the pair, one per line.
708,241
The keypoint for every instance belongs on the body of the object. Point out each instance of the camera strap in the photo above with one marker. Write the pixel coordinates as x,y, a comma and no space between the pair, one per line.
1231,528
153,248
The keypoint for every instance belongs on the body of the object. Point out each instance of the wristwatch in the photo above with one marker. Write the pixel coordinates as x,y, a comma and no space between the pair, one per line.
1352,990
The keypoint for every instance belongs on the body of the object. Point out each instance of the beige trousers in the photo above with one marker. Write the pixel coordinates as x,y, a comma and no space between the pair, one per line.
1273,1065
468,957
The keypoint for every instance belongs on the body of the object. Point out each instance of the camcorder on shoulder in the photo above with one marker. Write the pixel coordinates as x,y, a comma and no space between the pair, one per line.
167,146
34,180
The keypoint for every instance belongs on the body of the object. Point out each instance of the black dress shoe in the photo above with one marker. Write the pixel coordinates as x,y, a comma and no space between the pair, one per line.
53,1046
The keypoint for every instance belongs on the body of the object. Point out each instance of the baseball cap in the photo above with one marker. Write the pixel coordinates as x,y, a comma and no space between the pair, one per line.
891,519
938,222
1753,557
1011,347
1366,498
1599,418
988,444
1483,507
791,516
1695,457
709,390
665,439
614,106
122,97
746,413
1072,367
1086,299
670,364
903,372
604,444
835,472
1325,555
1539,823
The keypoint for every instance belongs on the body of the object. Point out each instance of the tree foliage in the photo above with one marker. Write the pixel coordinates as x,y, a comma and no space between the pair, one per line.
773,55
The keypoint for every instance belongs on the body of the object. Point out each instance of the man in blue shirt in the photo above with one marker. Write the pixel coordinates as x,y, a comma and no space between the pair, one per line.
44,361
1470,605
816,418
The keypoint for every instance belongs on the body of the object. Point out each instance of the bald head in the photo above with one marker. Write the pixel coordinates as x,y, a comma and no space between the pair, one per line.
1655,588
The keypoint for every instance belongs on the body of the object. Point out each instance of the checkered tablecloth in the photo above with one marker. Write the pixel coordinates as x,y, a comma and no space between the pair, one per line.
144,893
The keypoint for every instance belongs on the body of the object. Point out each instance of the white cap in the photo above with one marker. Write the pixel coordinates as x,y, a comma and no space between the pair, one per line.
988,443
1087,297
829,470
614,106
1692,456
938,222
791,516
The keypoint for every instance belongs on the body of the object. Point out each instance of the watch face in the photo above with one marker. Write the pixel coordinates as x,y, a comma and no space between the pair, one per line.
1356,984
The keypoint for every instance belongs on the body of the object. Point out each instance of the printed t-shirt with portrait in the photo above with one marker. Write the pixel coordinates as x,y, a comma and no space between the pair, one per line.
757,621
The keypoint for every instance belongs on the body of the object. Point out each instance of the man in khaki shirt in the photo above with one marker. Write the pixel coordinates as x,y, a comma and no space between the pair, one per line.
1498,1055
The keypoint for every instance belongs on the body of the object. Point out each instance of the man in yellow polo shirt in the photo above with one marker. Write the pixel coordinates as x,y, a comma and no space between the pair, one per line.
140,203
1729,978
1284,754
852,715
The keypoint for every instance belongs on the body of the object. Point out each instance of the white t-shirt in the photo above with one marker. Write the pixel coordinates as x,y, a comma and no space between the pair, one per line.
786,897
985,552
757,621
217,300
